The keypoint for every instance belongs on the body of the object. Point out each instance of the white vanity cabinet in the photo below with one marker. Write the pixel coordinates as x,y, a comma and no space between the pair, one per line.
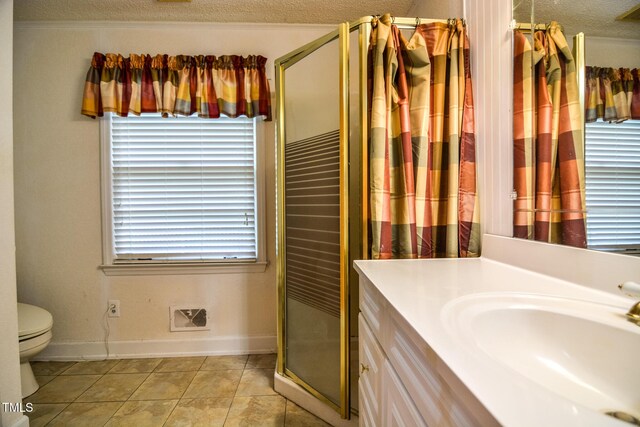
495,340
370,383
402,380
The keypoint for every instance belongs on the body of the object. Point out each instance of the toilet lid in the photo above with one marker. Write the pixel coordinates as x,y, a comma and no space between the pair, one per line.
32,320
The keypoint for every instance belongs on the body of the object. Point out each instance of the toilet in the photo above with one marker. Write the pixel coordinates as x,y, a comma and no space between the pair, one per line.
34,324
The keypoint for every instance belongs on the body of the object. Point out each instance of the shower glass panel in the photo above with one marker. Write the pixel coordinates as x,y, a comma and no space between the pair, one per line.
312,221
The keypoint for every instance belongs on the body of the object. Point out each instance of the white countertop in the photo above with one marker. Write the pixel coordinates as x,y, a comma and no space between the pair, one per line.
420,289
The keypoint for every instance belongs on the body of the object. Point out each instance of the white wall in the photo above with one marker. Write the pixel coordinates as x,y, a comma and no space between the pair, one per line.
9,356
57,187
437,9
491,70
614,53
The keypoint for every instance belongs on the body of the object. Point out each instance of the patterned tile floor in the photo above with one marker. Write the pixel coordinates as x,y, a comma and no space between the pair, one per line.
183,391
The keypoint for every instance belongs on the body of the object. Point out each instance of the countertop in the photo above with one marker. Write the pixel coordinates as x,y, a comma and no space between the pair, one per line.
421,291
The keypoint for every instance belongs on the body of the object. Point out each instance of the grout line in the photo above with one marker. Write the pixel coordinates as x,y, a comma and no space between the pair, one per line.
139,385
57,415
246,362
116,411
185,390
148,374
67,368
286,410
172,410
155,369
182,395
101,402
233,398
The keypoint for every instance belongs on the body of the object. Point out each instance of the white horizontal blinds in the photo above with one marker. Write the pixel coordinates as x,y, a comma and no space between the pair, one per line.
613,186
183,188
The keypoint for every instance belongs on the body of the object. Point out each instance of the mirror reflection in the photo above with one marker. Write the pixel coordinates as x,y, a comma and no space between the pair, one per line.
605,184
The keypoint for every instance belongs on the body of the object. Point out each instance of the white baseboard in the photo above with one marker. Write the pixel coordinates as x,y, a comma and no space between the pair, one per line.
23,421
62,351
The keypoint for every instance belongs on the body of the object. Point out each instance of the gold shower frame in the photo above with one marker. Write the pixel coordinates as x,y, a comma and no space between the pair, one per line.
347,274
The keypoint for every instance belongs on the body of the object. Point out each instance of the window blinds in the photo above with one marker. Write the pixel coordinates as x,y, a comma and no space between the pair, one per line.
613,186
183,189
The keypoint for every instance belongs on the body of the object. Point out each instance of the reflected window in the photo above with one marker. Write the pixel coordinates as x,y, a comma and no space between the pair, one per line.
613,186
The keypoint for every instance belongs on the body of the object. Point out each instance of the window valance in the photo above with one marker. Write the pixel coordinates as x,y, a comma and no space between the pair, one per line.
177,85
612,94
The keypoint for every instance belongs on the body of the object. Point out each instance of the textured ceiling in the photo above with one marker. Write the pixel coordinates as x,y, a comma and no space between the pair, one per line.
595,18
256,11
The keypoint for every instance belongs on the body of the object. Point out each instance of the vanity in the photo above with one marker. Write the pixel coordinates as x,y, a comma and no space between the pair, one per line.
529,334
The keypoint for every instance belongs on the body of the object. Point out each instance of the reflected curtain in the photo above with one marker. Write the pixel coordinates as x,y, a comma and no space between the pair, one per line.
177,85
612,94
422,180
548,142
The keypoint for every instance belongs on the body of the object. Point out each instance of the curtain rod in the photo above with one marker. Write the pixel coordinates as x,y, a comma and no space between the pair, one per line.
526,26
398,21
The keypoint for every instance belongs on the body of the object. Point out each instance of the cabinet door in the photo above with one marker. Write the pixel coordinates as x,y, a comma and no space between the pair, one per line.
369,384
398,410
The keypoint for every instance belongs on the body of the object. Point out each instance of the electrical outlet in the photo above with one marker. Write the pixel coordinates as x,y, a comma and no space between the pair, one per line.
113,306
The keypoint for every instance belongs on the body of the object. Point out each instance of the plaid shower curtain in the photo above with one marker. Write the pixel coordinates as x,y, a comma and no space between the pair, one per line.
177,85
422,148
557,194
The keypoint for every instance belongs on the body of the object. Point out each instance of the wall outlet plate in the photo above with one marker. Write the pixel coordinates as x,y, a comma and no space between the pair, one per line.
113,308
188,318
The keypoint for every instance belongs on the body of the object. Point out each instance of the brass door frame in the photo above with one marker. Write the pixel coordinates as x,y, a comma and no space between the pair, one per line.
581,65
363,25
281,64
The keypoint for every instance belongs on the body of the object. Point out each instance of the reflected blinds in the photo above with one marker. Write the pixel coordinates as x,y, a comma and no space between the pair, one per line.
312,205
613,186
183,188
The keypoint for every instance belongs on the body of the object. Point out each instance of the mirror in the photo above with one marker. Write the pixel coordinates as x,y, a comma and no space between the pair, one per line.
612,151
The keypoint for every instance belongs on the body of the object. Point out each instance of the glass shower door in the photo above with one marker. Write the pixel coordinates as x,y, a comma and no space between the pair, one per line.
311,222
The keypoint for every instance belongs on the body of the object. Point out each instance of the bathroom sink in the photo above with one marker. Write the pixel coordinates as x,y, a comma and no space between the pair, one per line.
584,351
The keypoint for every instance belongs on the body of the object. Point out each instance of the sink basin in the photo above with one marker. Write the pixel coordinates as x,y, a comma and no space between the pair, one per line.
584,351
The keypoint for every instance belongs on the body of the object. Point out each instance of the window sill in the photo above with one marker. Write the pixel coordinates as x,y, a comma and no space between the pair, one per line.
183,268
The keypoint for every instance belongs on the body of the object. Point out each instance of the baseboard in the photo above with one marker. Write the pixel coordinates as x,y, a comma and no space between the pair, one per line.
23,421
158,348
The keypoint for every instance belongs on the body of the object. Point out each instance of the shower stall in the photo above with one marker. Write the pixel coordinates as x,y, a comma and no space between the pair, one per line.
322,214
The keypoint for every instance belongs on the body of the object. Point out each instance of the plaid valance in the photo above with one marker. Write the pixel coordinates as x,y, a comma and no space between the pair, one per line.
612,94
177,85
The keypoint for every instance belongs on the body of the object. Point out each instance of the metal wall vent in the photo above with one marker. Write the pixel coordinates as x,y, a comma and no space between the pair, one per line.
188,318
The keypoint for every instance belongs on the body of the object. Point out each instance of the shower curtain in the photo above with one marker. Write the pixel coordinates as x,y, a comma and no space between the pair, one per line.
548,142
422,185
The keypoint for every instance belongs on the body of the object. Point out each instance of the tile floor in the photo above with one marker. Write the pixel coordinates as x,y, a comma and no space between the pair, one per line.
183,391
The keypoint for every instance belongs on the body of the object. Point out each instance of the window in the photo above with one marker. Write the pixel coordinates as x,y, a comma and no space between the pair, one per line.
181,191
613,186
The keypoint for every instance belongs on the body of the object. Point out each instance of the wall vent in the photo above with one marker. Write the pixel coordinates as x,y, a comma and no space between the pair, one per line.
188,318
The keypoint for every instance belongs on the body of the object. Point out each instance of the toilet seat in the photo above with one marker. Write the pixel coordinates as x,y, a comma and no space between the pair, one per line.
33,321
